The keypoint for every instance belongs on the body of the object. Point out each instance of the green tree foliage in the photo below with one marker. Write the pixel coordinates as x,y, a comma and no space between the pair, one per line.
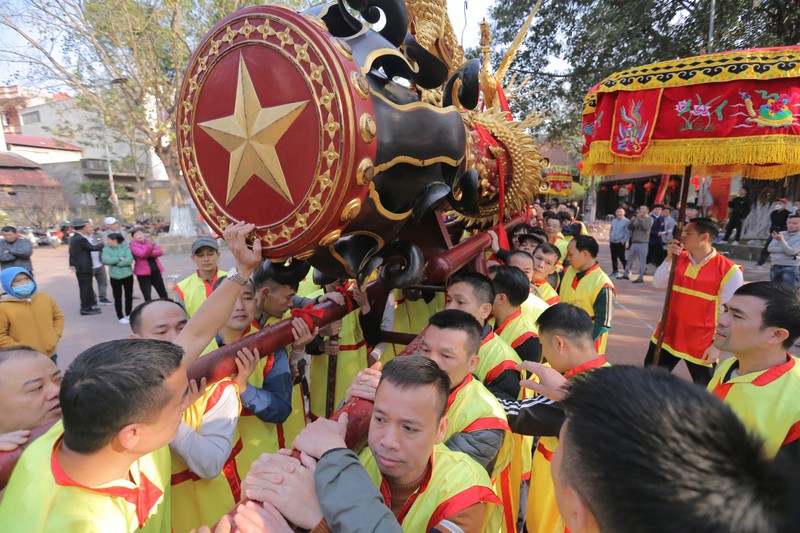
598,37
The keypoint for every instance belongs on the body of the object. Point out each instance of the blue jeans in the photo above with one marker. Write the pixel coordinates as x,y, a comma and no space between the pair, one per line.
785,274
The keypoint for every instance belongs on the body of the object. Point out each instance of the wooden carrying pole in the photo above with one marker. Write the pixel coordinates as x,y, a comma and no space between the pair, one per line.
687,174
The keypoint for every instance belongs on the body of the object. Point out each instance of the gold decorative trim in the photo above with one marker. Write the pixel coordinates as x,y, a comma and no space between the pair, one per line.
365,172
351,210
368,128
305,255
330,238
360,84
418,162
343,47
317,21
382,210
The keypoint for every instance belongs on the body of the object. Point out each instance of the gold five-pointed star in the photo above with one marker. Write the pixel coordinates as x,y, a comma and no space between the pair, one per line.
250,135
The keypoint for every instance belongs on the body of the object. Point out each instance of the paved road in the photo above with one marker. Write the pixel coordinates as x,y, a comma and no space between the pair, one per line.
635,316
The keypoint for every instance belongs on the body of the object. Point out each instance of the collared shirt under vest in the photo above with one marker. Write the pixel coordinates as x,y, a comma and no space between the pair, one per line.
582,289
453,483
695,306
546,292
194,290
768,402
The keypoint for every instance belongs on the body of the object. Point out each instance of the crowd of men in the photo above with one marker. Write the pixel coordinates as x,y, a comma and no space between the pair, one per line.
502,414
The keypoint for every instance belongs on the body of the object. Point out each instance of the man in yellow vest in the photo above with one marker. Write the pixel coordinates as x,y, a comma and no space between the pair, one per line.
586,285
192,291
426,486
106,467
533,305
565,332
473,293
704,281
637,441
511,289
545,260
761,382
552,226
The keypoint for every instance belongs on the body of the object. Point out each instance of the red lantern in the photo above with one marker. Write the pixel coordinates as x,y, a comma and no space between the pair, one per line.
649,186
604,188
616,188
629,186
673,184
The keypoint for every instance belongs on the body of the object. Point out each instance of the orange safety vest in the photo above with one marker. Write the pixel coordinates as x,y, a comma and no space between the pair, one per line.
695,306
41,497
546,292
768,402
584,291
194,290
453,483
198,501
542,513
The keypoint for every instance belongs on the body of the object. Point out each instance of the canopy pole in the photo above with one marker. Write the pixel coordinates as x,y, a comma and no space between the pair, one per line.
687,174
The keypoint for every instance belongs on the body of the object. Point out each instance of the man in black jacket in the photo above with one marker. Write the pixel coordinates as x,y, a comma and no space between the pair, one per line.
80,262
740,208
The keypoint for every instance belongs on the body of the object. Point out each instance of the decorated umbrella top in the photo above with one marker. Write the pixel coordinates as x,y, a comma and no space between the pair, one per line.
729,112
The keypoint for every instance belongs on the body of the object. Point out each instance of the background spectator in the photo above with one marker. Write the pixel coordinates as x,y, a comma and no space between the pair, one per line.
15,252
117,255
28,317
147,267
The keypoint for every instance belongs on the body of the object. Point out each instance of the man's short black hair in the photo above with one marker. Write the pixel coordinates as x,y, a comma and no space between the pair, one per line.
20,350
9,228
136,315
656,206
587,243
706,225
112,385
482,287
566,320
781,306
524,228
519,253
512,282
564,216
549,215
548,248
458,320
414,370
648,451
116,237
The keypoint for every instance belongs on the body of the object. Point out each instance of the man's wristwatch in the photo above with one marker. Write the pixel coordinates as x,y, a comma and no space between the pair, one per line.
234,276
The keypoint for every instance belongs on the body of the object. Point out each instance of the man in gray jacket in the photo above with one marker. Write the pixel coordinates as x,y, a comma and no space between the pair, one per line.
618,236
783,251
640,237
14,251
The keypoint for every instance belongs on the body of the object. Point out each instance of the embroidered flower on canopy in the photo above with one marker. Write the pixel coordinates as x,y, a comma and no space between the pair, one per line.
701,110
682,106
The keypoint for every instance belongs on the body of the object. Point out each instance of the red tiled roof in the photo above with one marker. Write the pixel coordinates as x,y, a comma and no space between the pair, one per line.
16,170
41,142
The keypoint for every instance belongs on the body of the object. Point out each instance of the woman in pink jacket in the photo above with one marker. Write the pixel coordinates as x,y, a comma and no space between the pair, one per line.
146,266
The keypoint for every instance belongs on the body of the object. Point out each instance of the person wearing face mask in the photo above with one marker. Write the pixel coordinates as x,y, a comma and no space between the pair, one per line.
28,317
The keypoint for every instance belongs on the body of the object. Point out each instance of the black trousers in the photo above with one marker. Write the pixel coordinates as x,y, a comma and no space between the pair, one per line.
733,224
618,252
86,290
762,257
156,282
118,286
655,254
700,374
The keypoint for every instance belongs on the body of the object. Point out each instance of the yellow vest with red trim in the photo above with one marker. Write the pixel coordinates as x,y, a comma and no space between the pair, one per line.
583,293
41,498
454,483
768,402
410,316
194,290
197,501
495,356
351,360
531,309
546,292
516,329
471,407
694,307
542,513
257,436
560,242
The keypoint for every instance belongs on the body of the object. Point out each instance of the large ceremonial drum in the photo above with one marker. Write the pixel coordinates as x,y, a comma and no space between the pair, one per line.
276,127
